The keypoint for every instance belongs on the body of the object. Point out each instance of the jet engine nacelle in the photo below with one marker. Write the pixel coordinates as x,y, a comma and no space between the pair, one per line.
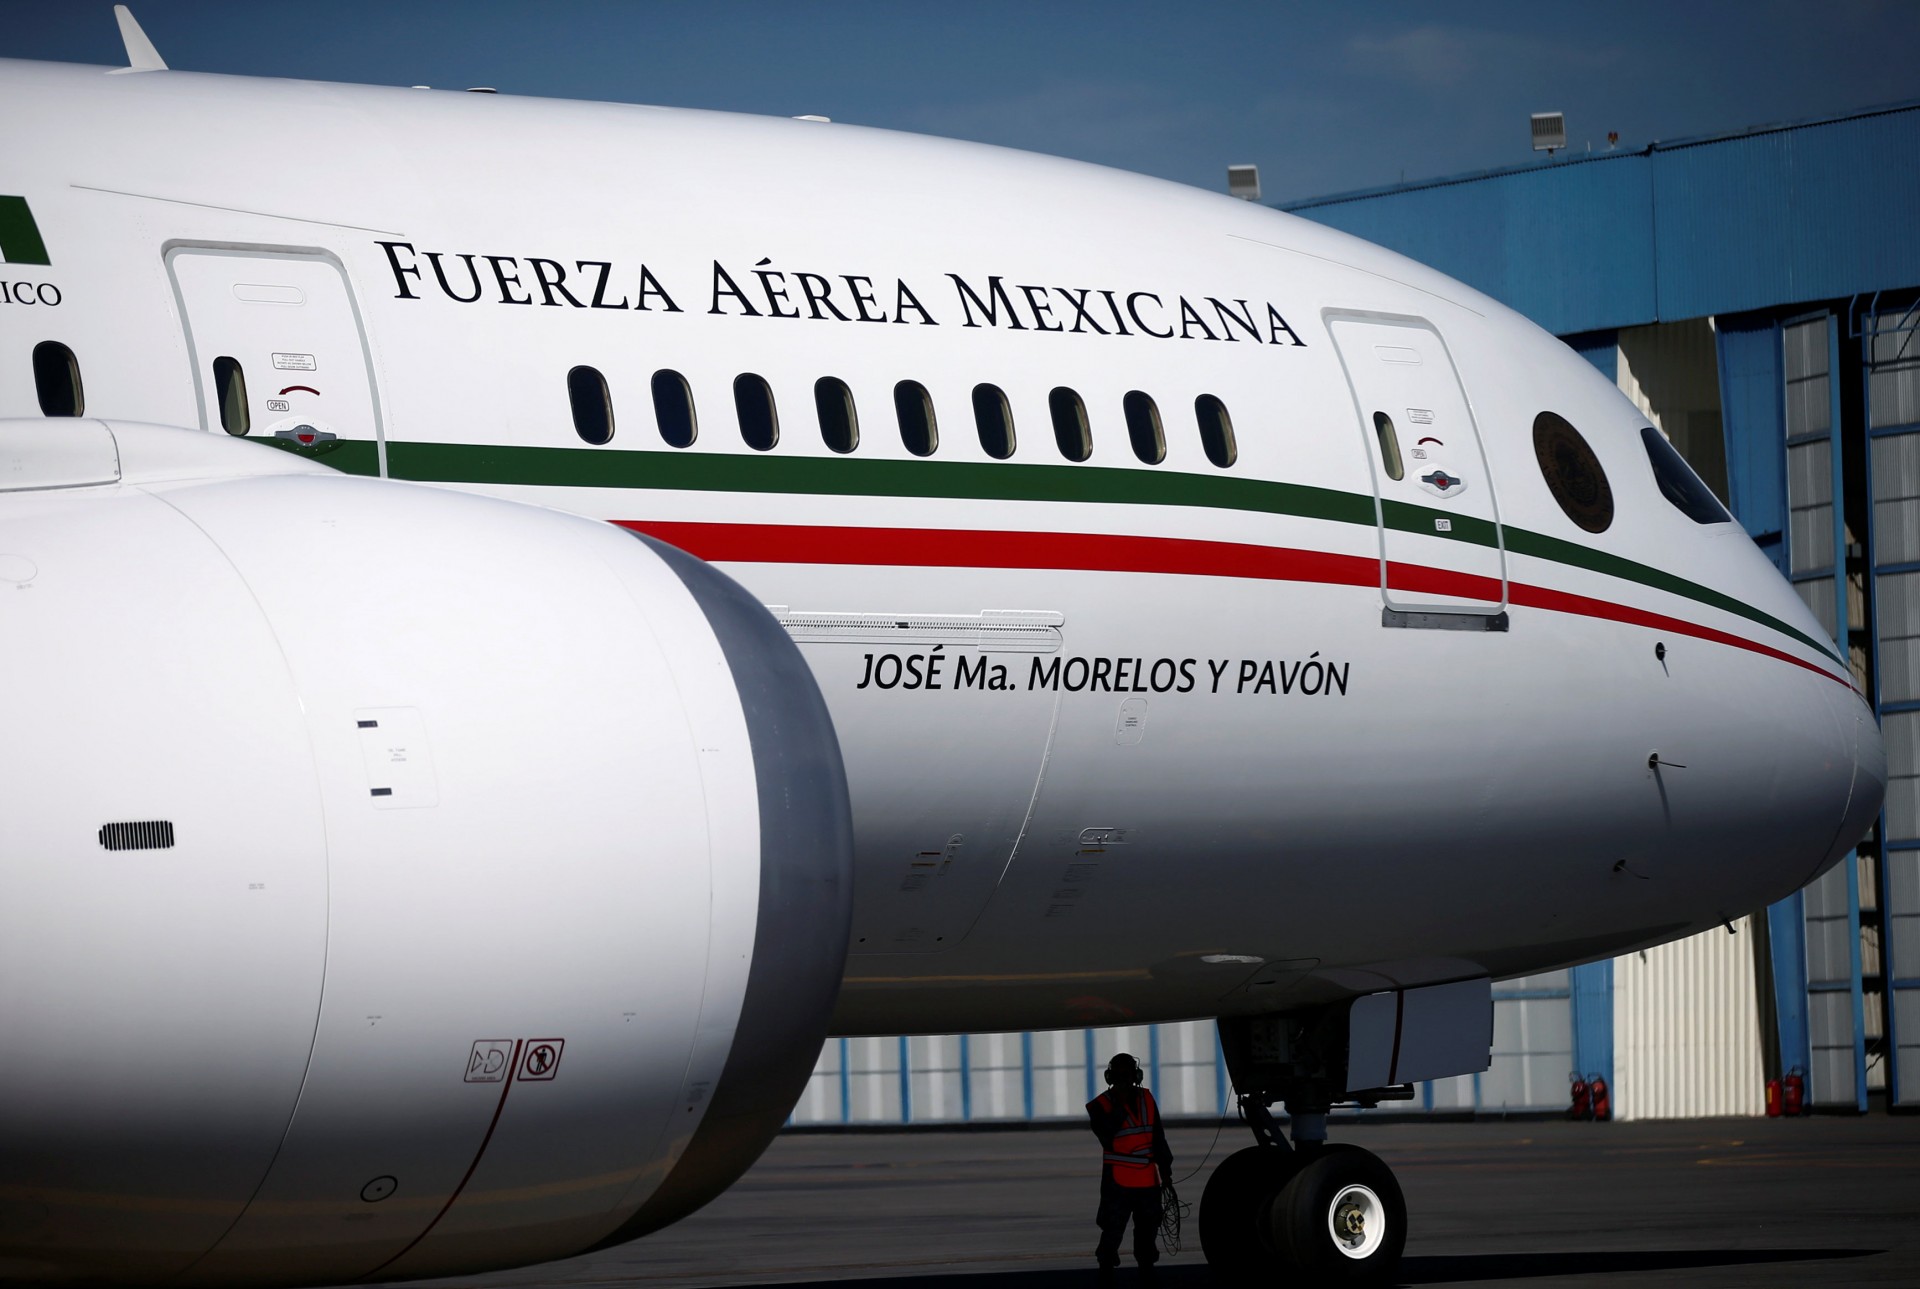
393,882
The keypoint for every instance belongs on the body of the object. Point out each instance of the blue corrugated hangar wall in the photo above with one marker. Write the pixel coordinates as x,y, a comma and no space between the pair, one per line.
1796,247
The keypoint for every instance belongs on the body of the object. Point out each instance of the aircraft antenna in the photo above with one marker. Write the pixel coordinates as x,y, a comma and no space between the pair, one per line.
141,55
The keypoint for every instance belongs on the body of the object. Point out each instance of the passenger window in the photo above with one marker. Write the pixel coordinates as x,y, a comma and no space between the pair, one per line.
914,406
994,419
1143,428
1389,445
592,405
839,425
1216,430
1679,484
753,402
230,392
673,409
1573,473
1070,428
56,378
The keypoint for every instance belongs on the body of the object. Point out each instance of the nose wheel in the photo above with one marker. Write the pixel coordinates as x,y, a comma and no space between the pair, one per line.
1340,1219
1233,1206
1357,1222
1326,1214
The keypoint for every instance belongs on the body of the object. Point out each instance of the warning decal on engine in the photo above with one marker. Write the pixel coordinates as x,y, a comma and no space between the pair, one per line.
531,1060
489,1061
542,1059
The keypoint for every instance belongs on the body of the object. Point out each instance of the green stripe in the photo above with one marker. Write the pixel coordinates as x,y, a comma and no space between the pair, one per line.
1406,518
19,236
852,477
1521,541
349,456
1540,546
984,481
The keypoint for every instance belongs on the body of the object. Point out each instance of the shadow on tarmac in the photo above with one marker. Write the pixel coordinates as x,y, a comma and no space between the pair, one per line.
1429,1270
1453,1268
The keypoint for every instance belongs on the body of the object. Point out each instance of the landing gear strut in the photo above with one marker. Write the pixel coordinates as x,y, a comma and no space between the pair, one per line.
1328,1214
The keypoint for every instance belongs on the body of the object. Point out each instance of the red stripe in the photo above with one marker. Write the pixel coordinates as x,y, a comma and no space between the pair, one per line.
1542,597
963,548
988,548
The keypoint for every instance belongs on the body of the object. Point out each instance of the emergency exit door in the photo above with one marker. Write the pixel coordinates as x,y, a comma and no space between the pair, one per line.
1441,546
277,350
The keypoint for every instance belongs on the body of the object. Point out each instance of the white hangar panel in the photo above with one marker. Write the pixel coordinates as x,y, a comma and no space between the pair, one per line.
1686,1029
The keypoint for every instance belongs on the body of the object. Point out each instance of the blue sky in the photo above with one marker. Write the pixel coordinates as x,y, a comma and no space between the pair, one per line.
1324,98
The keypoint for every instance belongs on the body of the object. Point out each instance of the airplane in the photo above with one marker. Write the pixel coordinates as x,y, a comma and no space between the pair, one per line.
524,637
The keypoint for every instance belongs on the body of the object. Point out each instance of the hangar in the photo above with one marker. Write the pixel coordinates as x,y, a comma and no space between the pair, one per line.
1757,295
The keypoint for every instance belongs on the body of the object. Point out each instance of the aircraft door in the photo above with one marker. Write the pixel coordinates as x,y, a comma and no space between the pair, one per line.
278,351
1430,475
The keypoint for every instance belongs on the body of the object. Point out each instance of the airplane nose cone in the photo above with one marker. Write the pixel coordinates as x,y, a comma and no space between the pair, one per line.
1869,780
1867,786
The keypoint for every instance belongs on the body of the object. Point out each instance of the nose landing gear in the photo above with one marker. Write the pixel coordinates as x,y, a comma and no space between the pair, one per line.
1340,1219
1328,1213
1235,1203
1310,1212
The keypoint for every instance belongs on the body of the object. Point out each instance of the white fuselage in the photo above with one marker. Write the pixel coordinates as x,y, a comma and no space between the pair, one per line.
1239,791
396,882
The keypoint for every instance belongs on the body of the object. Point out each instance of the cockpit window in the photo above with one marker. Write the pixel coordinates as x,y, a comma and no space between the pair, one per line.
1573,473
1679,484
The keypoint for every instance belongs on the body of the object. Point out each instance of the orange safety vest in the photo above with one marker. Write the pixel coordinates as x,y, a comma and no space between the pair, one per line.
1131,1154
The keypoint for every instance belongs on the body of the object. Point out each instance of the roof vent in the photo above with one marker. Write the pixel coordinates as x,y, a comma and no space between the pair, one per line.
151,834
1549,132
1243,182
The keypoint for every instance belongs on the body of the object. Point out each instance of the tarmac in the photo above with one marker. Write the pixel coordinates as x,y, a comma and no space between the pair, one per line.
1721,1202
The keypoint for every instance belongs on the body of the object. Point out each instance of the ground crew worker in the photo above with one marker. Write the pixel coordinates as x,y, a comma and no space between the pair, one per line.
1135,1165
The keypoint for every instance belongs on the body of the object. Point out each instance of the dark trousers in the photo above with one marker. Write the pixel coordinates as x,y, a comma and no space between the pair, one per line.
1119,1203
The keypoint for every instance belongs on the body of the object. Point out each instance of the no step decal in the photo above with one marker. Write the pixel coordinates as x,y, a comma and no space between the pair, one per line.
533,1060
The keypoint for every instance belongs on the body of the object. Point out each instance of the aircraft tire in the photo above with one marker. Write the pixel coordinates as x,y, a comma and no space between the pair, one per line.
1340,1219
1243,1186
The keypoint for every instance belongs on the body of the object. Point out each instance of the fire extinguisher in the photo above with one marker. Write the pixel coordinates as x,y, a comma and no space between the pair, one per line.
1582,1107
1773,1098
1602,1099
1796,1091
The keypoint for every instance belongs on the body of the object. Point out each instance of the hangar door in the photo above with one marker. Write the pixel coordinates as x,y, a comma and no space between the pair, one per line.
277,348
1441,548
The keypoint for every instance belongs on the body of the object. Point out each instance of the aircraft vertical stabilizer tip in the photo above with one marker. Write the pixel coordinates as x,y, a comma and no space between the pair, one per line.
141,55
